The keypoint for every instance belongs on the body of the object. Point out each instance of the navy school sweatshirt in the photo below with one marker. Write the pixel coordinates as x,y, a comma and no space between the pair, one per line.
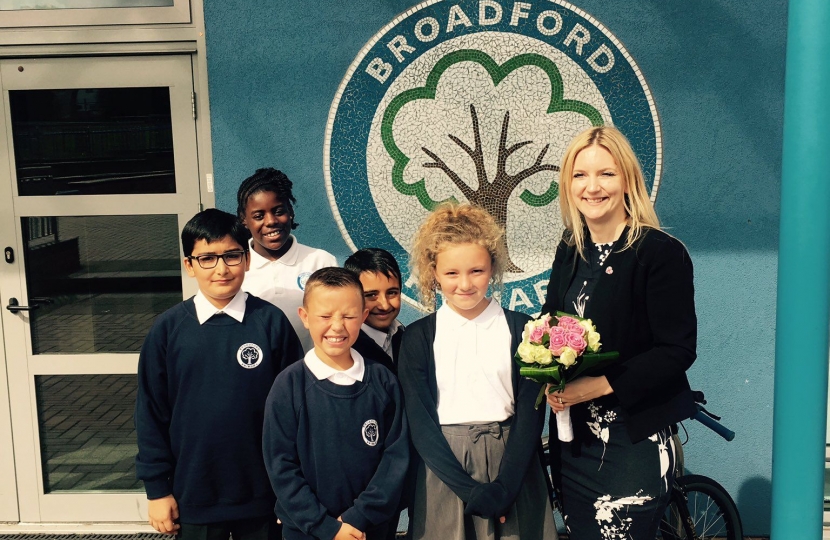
199,410
335,451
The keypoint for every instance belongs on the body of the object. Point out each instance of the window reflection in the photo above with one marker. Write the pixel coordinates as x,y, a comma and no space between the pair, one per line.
99,281
87,436
15,5
93,141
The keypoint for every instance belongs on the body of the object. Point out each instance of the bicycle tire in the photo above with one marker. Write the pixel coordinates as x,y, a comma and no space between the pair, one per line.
708,507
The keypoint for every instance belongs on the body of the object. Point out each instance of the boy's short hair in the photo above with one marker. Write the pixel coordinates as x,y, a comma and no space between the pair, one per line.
211,225
332,277
375,260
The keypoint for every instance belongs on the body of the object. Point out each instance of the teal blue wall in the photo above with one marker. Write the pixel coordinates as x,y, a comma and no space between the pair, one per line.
716,71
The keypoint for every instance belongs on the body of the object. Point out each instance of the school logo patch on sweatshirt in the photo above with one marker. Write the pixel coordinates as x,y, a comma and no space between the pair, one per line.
249,355
371,432
476,101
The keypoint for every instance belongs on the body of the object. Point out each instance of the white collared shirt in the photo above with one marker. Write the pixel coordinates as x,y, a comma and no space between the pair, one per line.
282,282
383,339
323,371
205,310
473,367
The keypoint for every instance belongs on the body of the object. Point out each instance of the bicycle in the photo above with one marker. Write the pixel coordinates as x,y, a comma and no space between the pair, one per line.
700,508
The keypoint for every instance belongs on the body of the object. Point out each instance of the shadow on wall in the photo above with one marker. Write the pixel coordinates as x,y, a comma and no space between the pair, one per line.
754,500
754,503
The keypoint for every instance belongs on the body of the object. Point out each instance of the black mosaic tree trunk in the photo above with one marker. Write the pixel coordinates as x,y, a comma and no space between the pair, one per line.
492,196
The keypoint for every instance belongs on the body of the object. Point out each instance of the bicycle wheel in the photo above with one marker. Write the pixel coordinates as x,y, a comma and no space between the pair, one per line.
708,508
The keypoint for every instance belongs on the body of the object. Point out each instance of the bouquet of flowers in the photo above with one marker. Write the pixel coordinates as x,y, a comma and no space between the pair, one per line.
556,350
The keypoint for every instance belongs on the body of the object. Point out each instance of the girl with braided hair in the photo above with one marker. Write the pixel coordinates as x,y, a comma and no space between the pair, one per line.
280,265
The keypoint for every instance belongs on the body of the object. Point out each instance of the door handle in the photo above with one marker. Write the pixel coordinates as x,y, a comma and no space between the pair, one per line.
14,306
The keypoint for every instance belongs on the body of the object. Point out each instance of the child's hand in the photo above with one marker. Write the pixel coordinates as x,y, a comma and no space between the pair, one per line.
163,513
487,500
347,532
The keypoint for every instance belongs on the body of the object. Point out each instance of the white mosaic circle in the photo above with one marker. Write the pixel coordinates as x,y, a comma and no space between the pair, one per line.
476,101
525,94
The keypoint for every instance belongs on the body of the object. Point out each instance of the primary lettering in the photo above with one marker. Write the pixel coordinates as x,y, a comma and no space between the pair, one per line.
557,23
483,19
541,288
521,10
432,22
456,17
398,46
379,69
490,12
581,35
519,298
609,59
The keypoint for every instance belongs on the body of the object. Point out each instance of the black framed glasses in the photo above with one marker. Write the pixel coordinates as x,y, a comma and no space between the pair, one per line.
231,258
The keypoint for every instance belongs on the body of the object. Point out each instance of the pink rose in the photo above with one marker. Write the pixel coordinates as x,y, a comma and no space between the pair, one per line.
576,342
538,333
558,340
568,323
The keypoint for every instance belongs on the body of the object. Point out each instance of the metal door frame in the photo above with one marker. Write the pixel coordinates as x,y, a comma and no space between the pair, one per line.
34,506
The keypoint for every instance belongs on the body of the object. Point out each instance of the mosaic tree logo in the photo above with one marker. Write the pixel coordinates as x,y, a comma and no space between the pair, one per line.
476,101
492,191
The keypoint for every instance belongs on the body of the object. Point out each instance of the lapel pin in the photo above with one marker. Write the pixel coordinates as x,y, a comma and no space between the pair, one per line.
609,270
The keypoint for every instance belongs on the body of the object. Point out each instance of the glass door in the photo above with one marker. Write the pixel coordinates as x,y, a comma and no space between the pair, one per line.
102,176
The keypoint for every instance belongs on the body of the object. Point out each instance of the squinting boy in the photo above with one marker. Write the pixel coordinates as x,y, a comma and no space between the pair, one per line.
335,441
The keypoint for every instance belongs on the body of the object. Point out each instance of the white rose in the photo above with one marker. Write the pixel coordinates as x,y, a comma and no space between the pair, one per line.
543,356
534,354
568,357
525,351
593,341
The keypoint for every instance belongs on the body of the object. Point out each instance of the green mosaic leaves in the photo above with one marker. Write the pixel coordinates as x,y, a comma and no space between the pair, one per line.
502,184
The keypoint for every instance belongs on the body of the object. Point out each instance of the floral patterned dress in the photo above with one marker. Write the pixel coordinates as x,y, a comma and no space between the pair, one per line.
610,488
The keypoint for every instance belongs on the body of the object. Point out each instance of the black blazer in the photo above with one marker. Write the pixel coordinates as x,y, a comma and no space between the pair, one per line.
368,348
644,309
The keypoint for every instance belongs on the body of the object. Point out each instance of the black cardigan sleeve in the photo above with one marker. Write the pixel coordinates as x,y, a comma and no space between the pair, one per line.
670,305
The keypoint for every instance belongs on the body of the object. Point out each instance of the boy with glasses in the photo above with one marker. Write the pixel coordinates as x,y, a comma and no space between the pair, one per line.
203,376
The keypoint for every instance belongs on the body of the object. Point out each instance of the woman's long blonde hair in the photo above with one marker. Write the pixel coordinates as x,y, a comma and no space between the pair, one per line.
454,223
636,202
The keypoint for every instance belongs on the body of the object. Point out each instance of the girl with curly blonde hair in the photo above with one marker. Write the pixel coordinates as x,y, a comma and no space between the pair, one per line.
471,416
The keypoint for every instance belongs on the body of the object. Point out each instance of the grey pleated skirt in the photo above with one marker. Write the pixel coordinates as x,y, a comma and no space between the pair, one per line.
439,513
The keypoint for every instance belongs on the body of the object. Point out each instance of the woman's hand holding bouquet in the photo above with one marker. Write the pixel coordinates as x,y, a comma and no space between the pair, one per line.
556,350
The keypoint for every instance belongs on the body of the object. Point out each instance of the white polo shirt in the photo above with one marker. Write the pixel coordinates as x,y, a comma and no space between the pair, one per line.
473,367
383,339
205,310
323,371
282,282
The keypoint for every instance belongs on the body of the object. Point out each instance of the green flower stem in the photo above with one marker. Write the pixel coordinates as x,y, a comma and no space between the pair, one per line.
540,398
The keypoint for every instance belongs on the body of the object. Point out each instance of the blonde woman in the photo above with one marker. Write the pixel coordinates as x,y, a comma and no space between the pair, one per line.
616,267
471,416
